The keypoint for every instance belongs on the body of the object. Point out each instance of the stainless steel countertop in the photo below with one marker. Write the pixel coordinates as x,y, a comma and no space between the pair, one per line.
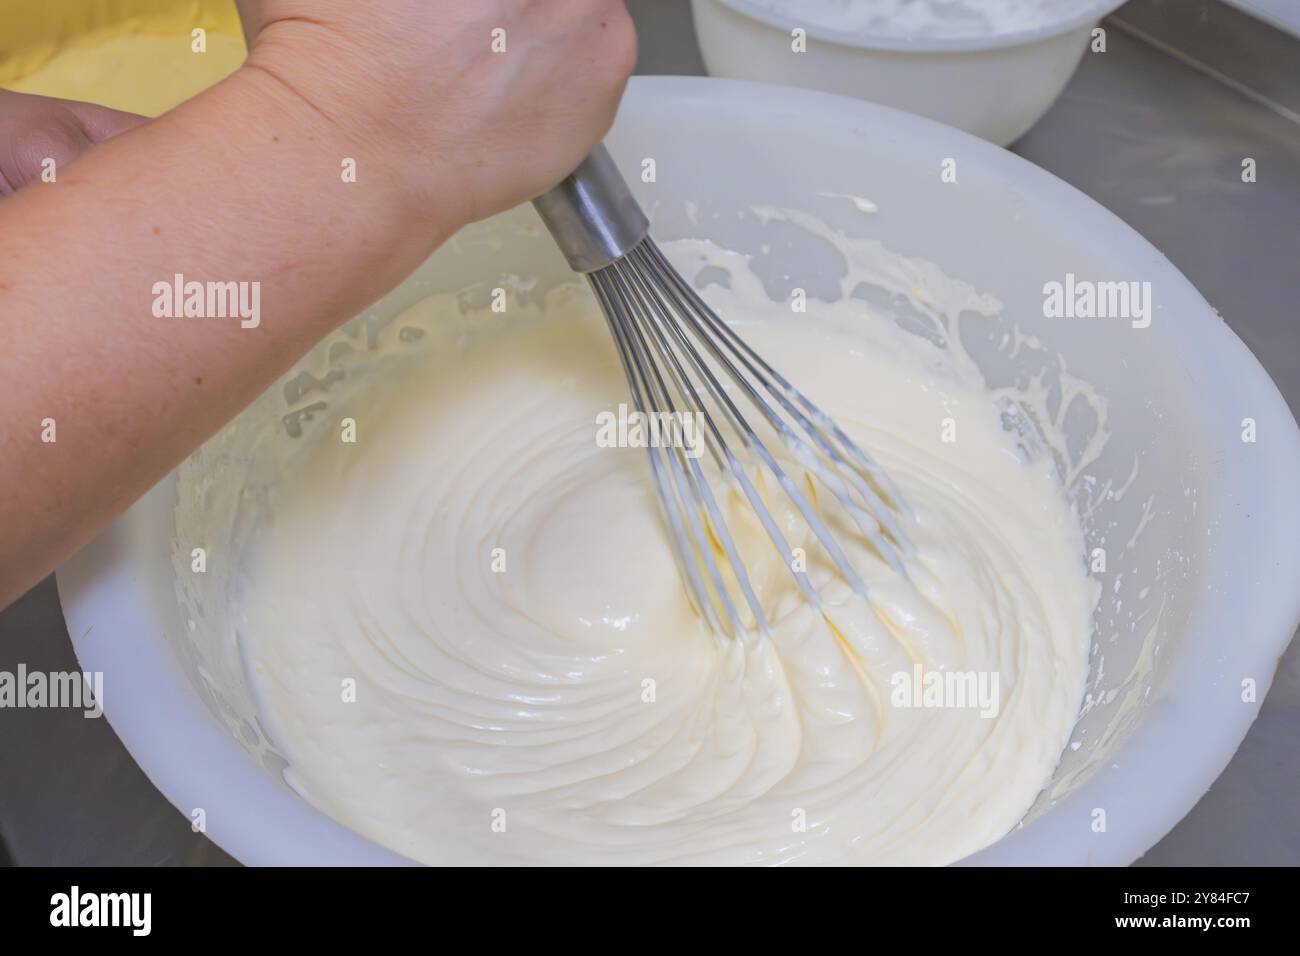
1155,130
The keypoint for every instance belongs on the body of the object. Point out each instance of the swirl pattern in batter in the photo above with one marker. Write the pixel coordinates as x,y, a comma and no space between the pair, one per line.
530,683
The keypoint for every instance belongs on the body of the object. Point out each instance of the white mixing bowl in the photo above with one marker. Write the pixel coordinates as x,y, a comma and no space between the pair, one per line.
993,86
1200,591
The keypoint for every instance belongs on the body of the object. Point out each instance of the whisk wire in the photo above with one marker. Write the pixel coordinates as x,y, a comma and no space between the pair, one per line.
682,360
666,493
720,448
706,326
690,489
693,307
664,330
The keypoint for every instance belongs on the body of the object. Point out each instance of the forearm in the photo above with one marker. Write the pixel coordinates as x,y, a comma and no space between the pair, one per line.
130,393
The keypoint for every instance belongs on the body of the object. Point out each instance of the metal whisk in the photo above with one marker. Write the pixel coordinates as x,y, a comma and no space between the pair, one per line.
681,359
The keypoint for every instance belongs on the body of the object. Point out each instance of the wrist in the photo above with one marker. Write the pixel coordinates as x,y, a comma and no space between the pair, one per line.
322,77
361,187
275,175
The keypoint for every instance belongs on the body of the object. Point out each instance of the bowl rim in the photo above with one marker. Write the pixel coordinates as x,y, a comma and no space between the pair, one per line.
1091,12
196,762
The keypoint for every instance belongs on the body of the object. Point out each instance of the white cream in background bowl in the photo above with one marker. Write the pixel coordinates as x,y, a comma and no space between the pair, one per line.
1199,596
989,67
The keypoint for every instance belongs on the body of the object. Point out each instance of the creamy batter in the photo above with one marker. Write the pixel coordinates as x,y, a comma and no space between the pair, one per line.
923,18
467,635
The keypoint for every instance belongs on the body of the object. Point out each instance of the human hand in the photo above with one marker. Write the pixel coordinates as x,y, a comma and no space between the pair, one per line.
474,106
36,128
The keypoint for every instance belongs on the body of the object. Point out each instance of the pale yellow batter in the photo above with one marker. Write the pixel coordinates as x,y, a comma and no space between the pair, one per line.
468,636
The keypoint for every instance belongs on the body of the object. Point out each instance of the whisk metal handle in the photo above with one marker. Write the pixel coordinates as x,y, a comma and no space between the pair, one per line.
592,214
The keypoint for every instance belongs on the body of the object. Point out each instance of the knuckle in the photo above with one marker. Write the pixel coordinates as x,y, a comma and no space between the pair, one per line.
31,146
620,40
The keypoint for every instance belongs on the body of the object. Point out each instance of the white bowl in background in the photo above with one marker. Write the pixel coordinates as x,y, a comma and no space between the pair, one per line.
994,86
1203,596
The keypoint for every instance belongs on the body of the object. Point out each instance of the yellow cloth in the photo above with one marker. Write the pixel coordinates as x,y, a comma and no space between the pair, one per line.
134,55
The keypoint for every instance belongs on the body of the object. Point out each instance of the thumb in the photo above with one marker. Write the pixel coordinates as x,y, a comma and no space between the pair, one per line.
38,129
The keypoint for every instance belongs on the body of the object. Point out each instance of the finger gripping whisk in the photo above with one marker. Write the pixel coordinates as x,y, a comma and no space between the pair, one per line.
684,364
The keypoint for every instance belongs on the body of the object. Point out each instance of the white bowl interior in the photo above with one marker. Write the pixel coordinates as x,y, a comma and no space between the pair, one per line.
1178,502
